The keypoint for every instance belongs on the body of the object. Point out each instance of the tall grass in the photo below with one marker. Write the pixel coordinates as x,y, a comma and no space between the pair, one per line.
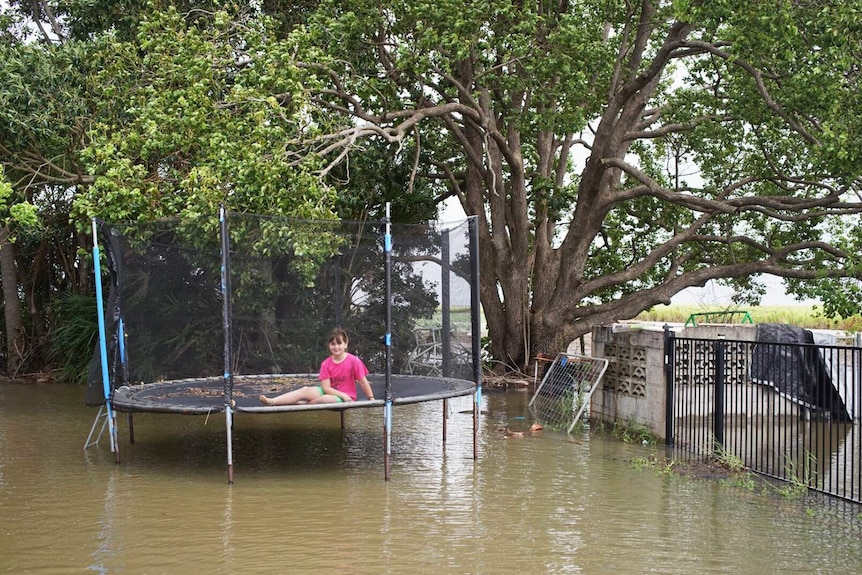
801,315
807,316
457,315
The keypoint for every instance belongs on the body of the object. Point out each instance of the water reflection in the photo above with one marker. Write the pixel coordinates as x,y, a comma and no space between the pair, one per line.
310,498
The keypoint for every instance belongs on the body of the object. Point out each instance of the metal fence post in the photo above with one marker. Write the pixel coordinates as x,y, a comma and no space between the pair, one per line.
718,421
669,342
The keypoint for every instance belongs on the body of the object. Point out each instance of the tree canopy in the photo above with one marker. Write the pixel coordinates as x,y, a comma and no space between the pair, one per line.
615,153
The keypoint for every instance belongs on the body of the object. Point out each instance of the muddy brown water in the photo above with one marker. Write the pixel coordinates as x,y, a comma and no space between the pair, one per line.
309,498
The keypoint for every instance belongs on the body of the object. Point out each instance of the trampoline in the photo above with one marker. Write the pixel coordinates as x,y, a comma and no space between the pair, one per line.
204,316
206,395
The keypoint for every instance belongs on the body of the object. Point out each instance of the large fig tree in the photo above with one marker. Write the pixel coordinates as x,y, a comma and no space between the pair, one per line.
615,152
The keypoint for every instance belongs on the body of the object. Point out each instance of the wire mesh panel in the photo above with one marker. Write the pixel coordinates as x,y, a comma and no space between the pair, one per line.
563,397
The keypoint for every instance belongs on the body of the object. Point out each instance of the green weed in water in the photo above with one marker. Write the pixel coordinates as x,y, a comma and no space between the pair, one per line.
662,465
633,432
728,460
798,478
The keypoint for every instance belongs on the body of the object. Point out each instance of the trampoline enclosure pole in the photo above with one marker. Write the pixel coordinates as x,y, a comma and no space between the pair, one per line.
387,409
121,340
228,344
103,342
476,326
446,319
445,305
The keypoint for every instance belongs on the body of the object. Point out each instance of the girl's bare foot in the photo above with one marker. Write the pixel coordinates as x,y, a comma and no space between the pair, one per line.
264,400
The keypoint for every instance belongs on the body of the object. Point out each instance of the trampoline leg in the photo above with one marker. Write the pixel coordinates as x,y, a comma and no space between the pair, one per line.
228,419
385,455
475,430
131,428
115,434
342,421
445,419
387,437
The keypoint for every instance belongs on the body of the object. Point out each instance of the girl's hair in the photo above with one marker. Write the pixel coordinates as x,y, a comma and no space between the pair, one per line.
337,334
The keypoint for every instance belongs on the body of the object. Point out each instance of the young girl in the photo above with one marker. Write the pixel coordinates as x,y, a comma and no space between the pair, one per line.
339,374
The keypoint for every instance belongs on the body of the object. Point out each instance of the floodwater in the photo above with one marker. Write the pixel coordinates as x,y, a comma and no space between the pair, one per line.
309,498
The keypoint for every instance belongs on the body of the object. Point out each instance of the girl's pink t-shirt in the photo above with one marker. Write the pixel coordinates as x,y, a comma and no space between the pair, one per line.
343,375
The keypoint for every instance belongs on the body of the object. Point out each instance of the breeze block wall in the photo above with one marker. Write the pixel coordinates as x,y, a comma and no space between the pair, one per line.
633,389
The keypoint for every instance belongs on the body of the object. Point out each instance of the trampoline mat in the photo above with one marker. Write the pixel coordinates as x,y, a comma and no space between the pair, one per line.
206,395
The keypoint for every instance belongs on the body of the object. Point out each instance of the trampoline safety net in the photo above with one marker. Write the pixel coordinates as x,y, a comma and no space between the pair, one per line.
563,397
290,282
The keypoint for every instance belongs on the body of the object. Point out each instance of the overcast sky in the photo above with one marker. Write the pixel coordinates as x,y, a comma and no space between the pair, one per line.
712,295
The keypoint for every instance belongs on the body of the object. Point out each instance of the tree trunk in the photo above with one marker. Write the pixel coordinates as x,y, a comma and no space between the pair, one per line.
11,302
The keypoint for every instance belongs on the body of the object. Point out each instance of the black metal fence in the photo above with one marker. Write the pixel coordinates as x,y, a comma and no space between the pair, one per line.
790,411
